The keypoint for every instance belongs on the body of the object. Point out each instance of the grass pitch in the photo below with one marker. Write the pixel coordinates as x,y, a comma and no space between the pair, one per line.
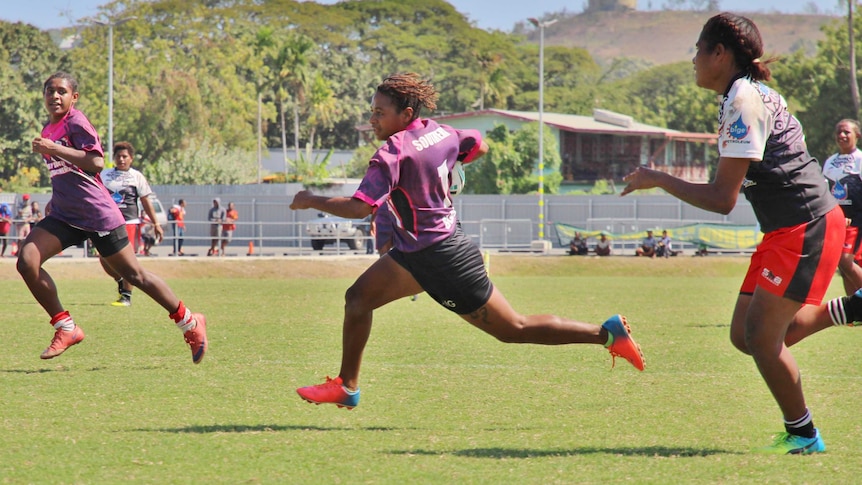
441,401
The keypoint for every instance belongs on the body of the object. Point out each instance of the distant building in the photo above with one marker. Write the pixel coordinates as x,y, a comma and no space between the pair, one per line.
607,145
611,5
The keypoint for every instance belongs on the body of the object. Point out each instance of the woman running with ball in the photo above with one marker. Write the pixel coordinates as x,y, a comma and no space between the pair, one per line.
410,173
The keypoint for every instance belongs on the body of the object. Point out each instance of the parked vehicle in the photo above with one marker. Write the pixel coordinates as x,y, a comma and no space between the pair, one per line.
330,229
161,212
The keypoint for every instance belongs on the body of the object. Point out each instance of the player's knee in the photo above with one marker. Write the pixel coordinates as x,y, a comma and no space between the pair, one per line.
513,332
27,264
739,342
135,278
355,300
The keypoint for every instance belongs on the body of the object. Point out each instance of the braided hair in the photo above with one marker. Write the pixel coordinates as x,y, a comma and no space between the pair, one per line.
408,90
741,36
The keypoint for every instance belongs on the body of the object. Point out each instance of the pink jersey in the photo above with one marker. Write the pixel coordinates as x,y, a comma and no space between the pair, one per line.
79,199
410,173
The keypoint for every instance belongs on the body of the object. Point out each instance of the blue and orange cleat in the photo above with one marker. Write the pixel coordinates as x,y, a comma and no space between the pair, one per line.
332,391
62,340
623,345
791,444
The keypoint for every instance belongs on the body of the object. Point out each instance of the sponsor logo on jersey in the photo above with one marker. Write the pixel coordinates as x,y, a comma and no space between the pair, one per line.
737,130
771,277
448,303
746,183
839,191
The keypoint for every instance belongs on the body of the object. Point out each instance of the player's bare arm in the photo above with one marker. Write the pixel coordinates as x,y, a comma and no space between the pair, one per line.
348,207
87,161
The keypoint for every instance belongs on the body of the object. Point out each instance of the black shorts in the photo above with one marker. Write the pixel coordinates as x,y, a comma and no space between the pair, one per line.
107,243
452,272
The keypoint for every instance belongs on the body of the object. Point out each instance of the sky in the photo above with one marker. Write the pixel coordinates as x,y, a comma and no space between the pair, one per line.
487,14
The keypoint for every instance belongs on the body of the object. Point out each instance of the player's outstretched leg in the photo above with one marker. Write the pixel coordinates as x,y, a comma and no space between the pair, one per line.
332,391
621,343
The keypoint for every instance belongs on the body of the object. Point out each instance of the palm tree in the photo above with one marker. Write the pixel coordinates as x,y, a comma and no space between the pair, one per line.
262,42
291,65
321,106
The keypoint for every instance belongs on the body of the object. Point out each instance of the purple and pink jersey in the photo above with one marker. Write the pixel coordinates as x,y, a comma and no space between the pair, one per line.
410,173
79,199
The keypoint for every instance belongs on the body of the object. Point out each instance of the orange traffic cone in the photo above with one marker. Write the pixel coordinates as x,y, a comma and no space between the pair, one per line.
14,248
251,248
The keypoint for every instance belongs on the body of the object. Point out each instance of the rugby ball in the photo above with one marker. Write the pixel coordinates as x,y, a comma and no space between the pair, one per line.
457,179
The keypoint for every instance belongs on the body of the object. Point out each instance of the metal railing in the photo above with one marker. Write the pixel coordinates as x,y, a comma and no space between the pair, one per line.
290,239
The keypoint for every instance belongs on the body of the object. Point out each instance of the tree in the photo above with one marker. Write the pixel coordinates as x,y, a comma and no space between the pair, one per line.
509,167
816,88
322,106
290,65
204,163
27,57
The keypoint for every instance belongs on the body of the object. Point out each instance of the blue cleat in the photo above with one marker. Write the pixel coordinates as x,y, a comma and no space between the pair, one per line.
623,345
791,444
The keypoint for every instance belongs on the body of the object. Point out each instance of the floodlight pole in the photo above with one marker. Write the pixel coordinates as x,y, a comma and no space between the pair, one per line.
541,26
110,26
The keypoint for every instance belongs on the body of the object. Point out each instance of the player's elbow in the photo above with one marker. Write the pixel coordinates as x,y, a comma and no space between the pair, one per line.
724,208
97,163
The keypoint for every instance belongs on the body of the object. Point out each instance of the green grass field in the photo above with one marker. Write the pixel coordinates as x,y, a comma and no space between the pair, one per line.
441,401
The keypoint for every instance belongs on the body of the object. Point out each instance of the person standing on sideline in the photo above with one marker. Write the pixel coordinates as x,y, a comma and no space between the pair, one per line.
36,214
229,226
23,214
409,174
178,221
82,208
130,190
762,150
5,226
842,171
216,216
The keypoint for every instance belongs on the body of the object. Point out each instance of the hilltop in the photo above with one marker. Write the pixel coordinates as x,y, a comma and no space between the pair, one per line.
668,36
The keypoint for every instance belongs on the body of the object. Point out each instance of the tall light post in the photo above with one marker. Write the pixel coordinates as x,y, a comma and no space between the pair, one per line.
541,26
111,25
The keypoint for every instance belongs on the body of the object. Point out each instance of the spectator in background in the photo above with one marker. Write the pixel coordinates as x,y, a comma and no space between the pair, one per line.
647,247
148,235
663,250
603,245
23,214
36,214
5,226
216,216
578,246
229,226
177,215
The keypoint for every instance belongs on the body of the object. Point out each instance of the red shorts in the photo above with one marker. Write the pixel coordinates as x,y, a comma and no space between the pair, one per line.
852,238
134,232
798,262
